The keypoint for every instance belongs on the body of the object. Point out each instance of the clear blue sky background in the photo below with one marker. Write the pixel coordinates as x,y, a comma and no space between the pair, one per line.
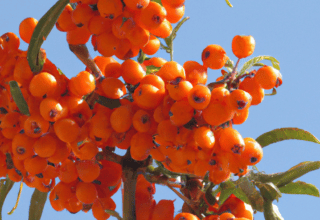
287,30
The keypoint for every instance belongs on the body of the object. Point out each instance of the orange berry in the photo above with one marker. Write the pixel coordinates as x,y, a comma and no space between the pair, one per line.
240,117
52,110
243,46
35,126
65,19
147,96
174,14
132,72
35,165
22,146
195,73
164,30
152,16
204,138
45,146
88,170
173,3
240,99
182,112
171,71
138,36
231,141
79,35
126,50
99,207
98,25
141,121
152,46
113,88
110,9
61,153
185,216
214,57
82,14
199,97
22,72
180,90
252,153
68,171
136,4
86,192
252,86
167,130
163,210
26,29
121,118
268,77
141,144
226,216
66,129
42,84
84,83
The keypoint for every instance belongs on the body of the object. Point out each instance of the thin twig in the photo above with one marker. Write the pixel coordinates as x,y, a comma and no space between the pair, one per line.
185,199
18,199
113,213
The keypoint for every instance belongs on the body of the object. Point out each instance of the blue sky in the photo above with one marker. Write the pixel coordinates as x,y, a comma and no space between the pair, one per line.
287,30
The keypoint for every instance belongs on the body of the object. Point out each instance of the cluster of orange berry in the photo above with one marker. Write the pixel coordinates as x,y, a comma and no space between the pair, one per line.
170,114
120,27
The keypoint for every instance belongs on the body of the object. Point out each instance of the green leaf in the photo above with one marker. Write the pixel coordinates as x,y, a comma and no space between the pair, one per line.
158,1
5,187
18,98
283,178
18,199
38,200
282,134
300,187
241,195
227,188
269,191
253,61
109,103
173,35
228,3
152,69
274,92
41,32
254,196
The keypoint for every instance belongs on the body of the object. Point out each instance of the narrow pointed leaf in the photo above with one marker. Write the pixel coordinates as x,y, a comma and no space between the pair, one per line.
38,200
152,69
241,195
300,187
41,32
253,61
283,178
18,199
5,187
109,103
158,1
18,98
228,3
282,134
173,35
274,92
227,188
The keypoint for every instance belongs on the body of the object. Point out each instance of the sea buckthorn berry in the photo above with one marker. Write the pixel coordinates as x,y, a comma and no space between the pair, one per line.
99,207
217,113
45,146
122,25
113,88
102,62
84,83
10,43
82,14
126,50
182,112
43,84
88,170
138,36
136,4
240,99
152,46
204,138
174,14
110,174
66,129
110,9
226,216
65,19
22,72
141,144
267,77
163,210
231,141
79,35
86,192
153,80
98,25
214,57
154,61
252,86
159,115
68,171
112,70
52,110
74,205
152,16
147,96
171,71
14,175
240,116
35,165
195,72
26,29
167,130
243,46
62,152
35,126
185,216
252,153
199,97
141,121
121,118
180,90
22,146
132,72
164,30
